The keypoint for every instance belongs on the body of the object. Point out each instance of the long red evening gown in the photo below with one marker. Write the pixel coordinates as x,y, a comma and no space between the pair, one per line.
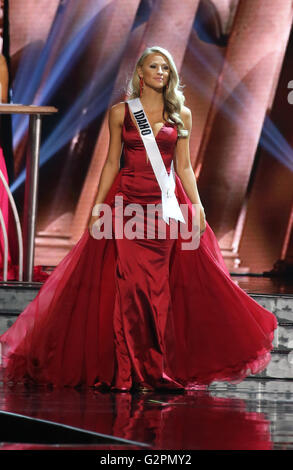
141,312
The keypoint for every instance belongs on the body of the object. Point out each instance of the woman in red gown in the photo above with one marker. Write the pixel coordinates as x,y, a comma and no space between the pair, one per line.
122,313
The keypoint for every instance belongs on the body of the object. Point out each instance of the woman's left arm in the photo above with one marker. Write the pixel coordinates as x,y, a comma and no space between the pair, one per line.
184,169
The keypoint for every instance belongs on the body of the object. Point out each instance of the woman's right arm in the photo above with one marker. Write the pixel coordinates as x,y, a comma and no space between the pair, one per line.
112,163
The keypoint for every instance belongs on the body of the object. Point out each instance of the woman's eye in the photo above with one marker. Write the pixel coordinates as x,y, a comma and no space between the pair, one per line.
165,67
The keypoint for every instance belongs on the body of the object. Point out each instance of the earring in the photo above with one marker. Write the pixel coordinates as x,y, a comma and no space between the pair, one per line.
140,86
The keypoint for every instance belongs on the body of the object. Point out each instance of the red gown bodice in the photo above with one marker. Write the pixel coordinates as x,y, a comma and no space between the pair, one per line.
138,181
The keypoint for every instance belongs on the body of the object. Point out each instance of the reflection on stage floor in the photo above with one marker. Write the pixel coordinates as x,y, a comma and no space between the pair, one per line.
255,414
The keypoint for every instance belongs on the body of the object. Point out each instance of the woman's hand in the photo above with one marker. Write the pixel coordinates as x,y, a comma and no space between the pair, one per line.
94,220
202,221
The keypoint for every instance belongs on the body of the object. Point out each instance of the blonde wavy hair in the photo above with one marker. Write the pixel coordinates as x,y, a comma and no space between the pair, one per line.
173,95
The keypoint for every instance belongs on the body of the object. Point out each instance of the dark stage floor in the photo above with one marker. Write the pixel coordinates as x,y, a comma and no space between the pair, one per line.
255,414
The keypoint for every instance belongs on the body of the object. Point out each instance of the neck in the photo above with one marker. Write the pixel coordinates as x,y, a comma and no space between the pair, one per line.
152,98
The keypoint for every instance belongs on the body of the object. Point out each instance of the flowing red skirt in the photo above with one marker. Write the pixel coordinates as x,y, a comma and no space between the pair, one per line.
69,334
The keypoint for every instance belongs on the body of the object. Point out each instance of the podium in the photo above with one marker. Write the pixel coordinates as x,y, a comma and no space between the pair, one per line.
35,114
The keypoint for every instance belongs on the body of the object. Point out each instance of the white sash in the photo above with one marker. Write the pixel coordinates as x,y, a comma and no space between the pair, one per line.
170,206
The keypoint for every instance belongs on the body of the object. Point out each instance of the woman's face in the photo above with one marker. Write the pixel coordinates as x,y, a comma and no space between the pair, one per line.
155,71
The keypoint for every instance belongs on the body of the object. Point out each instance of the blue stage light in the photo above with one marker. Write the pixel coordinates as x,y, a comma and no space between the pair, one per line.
66,128
94,99
271,138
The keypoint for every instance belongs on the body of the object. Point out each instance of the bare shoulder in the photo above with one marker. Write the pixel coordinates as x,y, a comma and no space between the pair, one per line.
186,117
116,113
185,113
